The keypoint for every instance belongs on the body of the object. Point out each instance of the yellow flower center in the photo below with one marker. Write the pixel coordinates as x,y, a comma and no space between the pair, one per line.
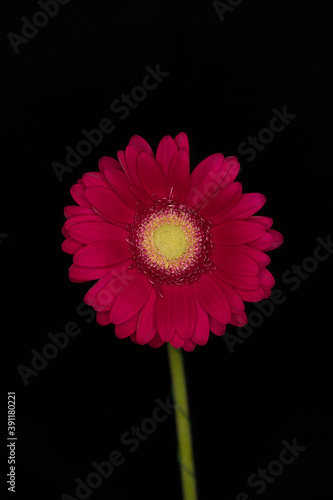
170,241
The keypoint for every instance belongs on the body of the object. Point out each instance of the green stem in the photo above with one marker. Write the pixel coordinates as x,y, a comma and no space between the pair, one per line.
183,423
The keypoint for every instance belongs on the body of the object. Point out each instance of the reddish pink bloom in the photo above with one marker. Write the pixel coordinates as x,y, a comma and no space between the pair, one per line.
175,254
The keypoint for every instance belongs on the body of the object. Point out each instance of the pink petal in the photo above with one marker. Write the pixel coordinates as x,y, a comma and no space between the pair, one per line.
74,210
88,232
71,246
277,239
165,326
103,318
189,345
177,341
238,318
222,201
156,341
141,144
181,141
251,295
261,258
108,204
265,221
216,326
266,278
234,260
130,299
166,149
146,328
82,218
201,330
248,204
234,300
123,330
141,195
106,296
262,243
106,163
237,280
179,174
204,179
183,310
123,270
119,183
131,157
211,298
94,179
78,192
267,293
151,176
236,232
230,170
80,274
102,253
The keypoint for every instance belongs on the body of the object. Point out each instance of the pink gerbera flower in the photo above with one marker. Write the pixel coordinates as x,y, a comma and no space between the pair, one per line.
175,253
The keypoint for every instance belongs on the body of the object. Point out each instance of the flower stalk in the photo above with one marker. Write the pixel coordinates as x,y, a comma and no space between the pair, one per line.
183,424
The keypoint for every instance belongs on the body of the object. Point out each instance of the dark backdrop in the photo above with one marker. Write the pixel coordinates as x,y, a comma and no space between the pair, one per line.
227,71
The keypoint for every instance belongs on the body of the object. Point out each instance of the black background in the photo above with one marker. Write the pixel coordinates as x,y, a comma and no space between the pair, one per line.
225,78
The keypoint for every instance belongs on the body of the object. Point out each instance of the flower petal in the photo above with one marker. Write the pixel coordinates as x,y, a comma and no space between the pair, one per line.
222,201
141,144
108,164
181,141
78,192
238,318
102,253
71,246
234,260
234,300
123,270
127,328
88,232
166,149
80,274
277,239
203,180
177,341
251,295
130,299
201,330
179,174
74,210
165,326
146,327
236,232
248,204
156,341
103,318
211,298
107,203
266,278
94,179
183,310
237,280
216,326
119,183
189,345
151,176
107,294
261,258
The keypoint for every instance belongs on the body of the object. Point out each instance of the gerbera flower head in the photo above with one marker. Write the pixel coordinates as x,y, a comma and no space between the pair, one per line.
175,254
